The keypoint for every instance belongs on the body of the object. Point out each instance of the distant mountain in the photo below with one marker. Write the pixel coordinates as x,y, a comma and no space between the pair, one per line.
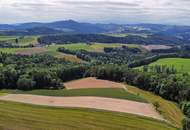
179,33
6,27
31,31
64,26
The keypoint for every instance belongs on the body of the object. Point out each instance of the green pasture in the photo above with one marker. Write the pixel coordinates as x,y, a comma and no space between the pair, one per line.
182,65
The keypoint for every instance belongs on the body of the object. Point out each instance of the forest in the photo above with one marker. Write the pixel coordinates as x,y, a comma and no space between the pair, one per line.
130,39
36,72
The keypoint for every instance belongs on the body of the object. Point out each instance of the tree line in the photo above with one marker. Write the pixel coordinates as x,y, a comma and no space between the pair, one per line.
101,38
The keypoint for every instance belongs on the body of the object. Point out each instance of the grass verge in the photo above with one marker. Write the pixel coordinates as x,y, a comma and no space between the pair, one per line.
168,109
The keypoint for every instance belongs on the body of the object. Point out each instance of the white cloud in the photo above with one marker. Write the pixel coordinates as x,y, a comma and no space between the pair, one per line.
115,11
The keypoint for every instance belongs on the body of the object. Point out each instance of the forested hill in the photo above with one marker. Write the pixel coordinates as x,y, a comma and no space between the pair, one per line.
130,39
158,32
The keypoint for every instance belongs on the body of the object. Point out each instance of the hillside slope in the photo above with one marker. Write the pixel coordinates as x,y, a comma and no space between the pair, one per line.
27,117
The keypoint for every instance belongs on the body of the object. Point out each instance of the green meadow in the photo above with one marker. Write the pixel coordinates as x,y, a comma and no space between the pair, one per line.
21,41
84,46
11,50
7,38
182,65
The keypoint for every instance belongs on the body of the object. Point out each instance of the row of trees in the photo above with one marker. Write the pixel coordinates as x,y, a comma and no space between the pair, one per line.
160,69
11,45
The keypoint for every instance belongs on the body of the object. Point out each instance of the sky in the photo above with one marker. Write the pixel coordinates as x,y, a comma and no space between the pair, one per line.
96,11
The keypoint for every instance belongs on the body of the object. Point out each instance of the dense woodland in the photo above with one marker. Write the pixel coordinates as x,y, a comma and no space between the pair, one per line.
76,38
36,72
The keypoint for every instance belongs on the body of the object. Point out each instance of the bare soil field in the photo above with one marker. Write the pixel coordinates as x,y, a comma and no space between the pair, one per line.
156,47
101,103
92,83
31,51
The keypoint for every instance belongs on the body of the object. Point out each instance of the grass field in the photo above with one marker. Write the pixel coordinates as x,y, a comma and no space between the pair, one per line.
103,92
30,117
21,41
83,46
2,94
181,64
7,38
168,109
28,40
11,50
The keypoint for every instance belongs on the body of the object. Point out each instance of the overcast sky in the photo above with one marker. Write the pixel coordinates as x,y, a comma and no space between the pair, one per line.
96,11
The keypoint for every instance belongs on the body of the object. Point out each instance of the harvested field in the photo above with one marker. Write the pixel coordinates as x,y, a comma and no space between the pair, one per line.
92,83
109,104
156,47
31,51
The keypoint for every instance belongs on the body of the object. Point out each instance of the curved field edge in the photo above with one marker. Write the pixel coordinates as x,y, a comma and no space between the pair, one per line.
169,110
98,92
20,116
